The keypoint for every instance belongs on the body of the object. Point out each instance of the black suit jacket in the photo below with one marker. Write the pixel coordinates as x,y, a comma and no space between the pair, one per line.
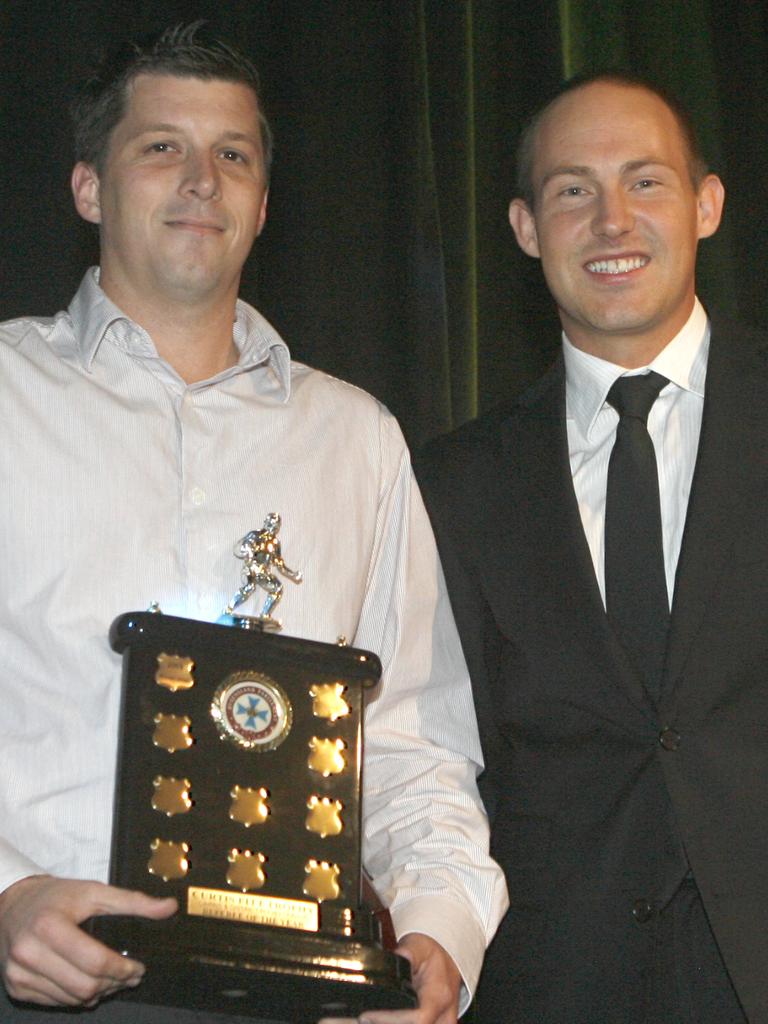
594,815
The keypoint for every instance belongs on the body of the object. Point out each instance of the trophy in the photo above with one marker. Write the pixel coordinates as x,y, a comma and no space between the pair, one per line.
238,792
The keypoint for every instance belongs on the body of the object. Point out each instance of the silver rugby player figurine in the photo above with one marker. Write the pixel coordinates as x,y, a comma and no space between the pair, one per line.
261,554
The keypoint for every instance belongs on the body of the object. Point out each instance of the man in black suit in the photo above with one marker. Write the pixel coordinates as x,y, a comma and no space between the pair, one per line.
626,745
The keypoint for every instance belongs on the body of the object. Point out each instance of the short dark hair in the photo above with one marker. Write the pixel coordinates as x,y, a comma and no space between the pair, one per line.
184,51
697,165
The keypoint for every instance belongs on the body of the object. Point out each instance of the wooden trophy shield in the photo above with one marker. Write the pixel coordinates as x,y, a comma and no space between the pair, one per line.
238,793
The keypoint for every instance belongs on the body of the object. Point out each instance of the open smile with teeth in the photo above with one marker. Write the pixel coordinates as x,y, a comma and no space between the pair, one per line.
619,266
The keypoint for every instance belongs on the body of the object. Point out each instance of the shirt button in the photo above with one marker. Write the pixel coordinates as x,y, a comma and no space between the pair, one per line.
669,739
642,911
197,496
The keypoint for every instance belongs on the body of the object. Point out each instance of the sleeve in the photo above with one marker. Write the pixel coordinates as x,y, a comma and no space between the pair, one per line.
14,865
425,832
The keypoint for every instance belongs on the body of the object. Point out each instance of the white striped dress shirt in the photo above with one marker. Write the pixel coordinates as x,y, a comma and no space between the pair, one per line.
121,485
674,424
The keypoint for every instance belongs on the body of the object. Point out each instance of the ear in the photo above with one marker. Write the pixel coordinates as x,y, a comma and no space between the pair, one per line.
524,226
85,189
262,214
710,205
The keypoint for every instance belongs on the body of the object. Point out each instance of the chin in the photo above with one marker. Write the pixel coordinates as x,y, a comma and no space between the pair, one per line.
192,282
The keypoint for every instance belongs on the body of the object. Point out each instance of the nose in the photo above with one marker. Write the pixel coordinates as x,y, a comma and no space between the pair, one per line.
614,215
201,177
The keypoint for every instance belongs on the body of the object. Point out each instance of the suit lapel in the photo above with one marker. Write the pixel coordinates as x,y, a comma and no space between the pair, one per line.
567,587
733,432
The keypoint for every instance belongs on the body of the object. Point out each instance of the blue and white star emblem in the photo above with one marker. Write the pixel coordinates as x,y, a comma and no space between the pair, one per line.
253,713
252,710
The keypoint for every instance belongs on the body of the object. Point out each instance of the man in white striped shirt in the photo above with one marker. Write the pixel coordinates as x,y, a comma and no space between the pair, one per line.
145,429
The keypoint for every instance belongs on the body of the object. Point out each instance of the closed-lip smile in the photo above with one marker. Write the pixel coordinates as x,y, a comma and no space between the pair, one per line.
190,224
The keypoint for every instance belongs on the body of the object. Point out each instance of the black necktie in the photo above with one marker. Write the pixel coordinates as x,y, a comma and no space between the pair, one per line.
635,581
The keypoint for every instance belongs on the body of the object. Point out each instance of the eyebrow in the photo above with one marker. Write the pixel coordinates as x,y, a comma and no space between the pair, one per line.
226,136
159,127
582,171
569,170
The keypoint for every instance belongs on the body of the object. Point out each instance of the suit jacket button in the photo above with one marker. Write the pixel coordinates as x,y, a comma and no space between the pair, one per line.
669,739
642,911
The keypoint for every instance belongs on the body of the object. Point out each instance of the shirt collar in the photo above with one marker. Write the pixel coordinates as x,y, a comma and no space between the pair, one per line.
588,379
95,317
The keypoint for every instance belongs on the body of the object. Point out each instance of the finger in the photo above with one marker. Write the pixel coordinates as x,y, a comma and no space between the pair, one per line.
108,899
87,956
393,1017
62,983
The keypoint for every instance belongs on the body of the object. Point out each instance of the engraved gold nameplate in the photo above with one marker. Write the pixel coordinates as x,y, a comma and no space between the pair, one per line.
249,806
245,870
324,816
172,732
328,702
322,881
171,796
168,860
251,710
174,672
253,908
325,756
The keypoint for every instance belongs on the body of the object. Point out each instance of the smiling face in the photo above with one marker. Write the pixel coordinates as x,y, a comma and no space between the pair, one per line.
182,195
616,220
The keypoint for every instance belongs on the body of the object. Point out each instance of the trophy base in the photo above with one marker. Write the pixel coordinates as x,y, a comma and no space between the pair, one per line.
277,974
262,623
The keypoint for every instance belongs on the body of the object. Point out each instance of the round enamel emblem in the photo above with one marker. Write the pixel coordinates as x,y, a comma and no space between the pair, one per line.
250,709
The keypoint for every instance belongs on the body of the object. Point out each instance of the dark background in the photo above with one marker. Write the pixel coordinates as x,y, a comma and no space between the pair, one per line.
387,257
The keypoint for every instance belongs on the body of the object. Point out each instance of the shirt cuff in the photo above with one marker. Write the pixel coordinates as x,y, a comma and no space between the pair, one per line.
14,866
454,927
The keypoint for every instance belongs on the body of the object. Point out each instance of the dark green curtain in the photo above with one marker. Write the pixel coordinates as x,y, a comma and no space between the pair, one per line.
387,257
395,208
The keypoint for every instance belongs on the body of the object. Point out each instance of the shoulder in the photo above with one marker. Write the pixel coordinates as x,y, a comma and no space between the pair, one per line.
348,417
309,382
478,448
28,329
339,398
738,337
30,347
736,350
469,444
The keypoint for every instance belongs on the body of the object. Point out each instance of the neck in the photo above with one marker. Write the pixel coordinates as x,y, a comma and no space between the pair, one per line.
630,350
197,344
194,338
629,353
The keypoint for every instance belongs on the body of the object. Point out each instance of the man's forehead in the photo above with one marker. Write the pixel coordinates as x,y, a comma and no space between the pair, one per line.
155,84
167,102
594,115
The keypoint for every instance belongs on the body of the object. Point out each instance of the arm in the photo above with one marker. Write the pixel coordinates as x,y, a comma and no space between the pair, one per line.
425,831
47,958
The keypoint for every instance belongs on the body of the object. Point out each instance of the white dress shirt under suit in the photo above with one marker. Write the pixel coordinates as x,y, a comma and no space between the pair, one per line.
674,424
